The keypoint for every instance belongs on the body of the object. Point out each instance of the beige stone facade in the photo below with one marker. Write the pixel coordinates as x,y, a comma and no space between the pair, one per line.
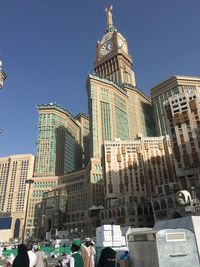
113,61
15,170
84,189
117,108
135,172
34,216
161,92
16,226
182,114
116,112
77,200
54,206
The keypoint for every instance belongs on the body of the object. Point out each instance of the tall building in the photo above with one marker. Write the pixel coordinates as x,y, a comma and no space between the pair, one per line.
161,92
84,191
62,148
117,108
76,218
14,172
134,173
58,146
113,61
2,75
54,208
34,220
182,115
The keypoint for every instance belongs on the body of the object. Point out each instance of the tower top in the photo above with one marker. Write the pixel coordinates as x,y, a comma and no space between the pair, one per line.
108,11
2,75
113,61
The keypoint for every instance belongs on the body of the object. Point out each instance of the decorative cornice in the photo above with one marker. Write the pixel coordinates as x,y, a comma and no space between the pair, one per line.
56,106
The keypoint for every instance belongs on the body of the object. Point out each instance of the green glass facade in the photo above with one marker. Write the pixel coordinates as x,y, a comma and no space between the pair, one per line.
159,111
106,121
58,148
121,118
107,114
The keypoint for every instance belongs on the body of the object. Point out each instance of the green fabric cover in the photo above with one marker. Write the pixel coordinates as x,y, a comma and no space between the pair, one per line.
78,260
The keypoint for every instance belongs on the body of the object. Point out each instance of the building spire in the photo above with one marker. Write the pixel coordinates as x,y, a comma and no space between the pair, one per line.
109,17
2,75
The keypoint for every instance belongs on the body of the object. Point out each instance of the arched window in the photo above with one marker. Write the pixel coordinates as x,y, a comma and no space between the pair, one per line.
131,211
114,213
123,213
49,224
163,204
150,211
17,228
102,215
140,211
106,215
170,203
110,214
118,213
156,205
146,213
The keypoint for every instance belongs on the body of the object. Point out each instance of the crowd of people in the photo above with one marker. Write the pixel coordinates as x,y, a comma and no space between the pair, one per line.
29,257
82,255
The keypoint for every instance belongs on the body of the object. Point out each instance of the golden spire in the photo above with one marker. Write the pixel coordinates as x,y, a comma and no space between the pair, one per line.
2,75
109,17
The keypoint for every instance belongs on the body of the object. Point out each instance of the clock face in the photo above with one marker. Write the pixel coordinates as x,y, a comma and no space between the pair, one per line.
106,47
106,37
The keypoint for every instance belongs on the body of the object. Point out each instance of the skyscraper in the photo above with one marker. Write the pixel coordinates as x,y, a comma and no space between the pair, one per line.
113,61
117,108
134,173
182,115
58,146
14,171
62,148
161,92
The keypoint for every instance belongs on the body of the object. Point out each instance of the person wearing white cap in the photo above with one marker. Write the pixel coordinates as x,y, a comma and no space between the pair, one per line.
41,257
85,253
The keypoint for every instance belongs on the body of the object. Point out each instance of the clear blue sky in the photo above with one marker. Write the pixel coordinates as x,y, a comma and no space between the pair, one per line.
48,48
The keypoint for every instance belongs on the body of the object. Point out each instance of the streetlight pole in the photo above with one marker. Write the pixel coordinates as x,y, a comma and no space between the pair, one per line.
29,182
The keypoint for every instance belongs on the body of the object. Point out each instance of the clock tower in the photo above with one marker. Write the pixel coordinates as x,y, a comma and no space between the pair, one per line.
113,61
